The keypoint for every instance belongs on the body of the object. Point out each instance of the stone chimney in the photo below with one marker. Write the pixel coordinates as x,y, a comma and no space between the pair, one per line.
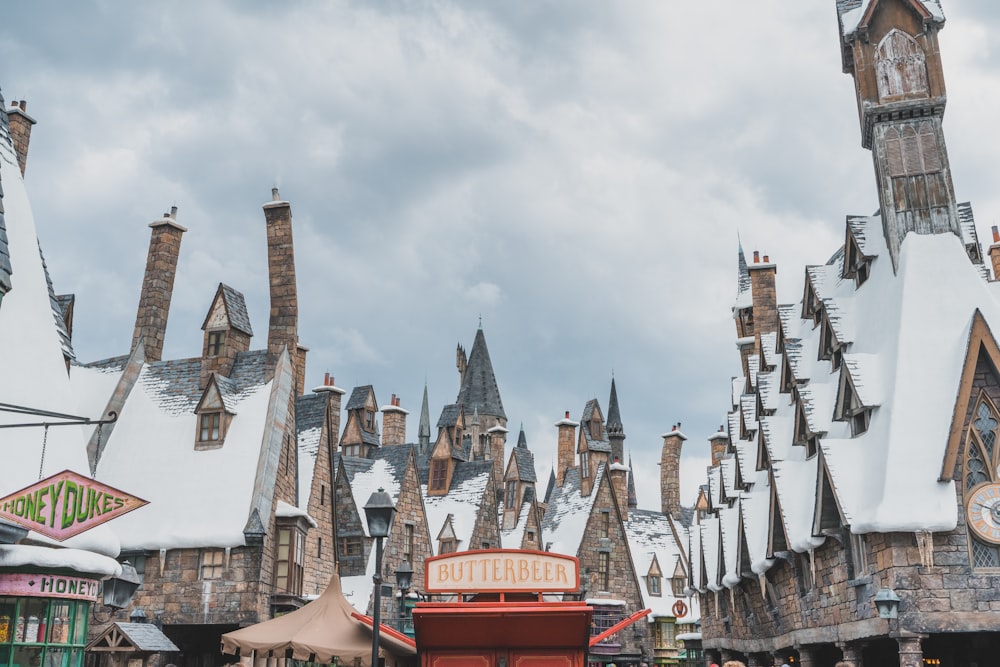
995,253
158,284
393,423
283,324
20,131
765,300
566,457
333,395
717,444
619,482
670,471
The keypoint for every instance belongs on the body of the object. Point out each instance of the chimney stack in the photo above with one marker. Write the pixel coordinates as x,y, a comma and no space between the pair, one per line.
765,300
566,456
393,423
717,444
619,481
158,284
20,131
283,323
995,253
670,471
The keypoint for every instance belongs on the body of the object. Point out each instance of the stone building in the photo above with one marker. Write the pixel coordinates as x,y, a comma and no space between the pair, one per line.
859,466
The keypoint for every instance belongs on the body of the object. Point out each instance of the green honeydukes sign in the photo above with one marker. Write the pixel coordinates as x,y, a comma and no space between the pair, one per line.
66,504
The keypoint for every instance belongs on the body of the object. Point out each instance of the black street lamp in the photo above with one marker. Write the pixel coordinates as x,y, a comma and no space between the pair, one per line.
379,511
404,578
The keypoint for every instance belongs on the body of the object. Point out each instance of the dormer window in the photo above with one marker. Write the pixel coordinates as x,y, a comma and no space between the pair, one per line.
745,316
212,418
803,436
210,427
584,464
439,475
850,408
215,341
369,419
787,379
812,307
511,498
827,343
447,546
678,584
653,584
595,429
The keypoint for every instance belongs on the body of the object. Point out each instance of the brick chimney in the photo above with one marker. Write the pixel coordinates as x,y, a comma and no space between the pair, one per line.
20,130
670,471
566,457
283,324
393,423
995,253
333,395
765,300
717,444
158,284
619,482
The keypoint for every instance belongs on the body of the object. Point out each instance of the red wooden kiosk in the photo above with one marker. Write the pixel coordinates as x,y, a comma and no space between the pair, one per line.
500,618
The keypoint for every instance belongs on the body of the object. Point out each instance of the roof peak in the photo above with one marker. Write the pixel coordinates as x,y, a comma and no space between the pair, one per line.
479,389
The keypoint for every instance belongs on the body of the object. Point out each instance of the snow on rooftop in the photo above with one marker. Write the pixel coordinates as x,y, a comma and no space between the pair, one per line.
851,19
649,536
85,562
461,503
308,441
568,512
283,509
379,476
31,356
197,498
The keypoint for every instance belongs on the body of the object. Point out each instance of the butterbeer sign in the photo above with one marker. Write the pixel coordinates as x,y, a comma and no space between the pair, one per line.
66,504
502,570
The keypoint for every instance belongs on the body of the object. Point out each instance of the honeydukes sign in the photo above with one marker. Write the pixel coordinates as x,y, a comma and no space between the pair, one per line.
66,504
501,570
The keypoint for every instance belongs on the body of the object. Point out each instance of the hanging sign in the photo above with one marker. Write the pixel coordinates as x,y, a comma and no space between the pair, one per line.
66,504
501,570
20,584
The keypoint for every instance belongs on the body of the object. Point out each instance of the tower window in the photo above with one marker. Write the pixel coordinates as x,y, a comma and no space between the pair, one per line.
214,345
900,67
439,474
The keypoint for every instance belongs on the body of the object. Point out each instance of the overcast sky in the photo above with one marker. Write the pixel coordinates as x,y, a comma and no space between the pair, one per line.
576,173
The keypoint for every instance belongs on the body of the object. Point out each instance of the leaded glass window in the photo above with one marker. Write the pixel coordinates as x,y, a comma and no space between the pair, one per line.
981,463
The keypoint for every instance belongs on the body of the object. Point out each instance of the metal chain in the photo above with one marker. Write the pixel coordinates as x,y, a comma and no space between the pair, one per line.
45,442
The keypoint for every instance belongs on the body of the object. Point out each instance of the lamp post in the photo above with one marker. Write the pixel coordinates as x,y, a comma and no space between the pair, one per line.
379,511
404,578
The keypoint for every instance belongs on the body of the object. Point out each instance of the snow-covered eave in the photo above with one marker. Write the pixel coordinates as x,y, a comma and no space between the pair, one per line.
84,562
285,510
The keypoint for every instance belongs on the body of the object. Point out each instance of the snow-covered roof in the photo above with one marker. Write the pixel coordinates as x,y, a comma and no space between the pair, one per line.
568,512
461,503
32,356
851,19
650,536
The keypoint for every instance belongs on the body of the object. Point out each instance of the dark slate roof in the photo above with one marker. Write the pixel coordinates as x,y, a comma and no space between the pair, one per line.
743,273
5,269
522,441
551,485
147,637
176,381
593,444
65,302
236,307
449,415
633,499
111,363
57,312
395,455
687,516
359,396
525,464
479,389
370,438
467,470
614,423
310,410
424,432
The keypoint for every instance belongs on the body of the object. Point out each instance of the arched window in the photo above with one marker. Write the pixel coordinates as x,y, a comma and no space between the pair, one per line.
900,67
981,458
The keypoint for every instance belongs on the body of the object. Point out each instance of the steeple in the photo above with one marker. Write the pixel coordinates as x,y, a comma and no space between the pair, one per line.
616,431
522,441
479,391
424,430
891,49
633,498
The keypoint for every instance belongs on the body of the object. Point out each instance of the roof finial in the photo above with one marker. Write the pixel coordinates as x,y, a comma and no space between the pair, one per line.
480,321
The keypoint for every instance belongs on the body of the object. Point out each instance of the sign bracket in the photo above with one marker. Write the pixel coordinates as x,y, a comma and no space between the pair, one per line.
65,419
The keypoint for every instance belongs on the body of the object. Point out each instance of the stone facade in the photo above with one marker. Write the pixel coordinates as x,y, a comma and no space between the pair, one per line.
158,285
393,423
670,473
566,447
320,545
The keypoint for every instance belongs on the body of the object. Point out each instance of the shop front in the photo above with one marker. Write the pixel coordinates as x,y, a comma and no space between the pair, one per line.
501,614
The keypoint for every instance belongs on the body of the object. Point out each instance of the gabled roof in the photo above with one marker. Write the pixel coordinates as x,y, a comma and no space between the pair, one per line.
57,312
650,538
235,307
359,397
568,511
479,391
524,458
469,482
601,444
614,422
856,14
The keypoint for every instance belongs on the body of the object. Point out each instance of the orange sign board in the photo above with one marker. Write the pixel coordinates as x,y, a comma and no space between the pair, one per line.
501,570
66,504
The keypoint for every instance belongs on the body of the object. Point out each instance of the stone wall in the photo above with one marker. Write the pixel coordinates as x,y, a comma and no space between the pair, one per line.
157,286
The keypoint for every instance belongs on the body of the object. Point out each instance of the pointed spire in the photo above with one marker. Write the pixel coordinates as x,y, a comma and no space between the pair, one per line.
743,276
614,424
522,441
479,389
633,498
424,432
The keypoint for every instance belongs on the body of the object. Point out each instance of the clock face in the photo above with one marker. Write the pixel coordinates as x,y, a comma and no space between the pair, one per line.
983,511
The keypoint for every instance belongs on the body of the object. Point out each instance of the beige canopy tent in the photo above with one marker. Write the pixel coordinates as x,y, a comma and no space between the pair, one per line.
326,630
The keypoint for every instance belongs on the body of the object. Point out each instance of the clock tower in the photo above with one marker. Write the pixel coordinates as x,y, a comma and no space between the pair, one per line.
890,47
